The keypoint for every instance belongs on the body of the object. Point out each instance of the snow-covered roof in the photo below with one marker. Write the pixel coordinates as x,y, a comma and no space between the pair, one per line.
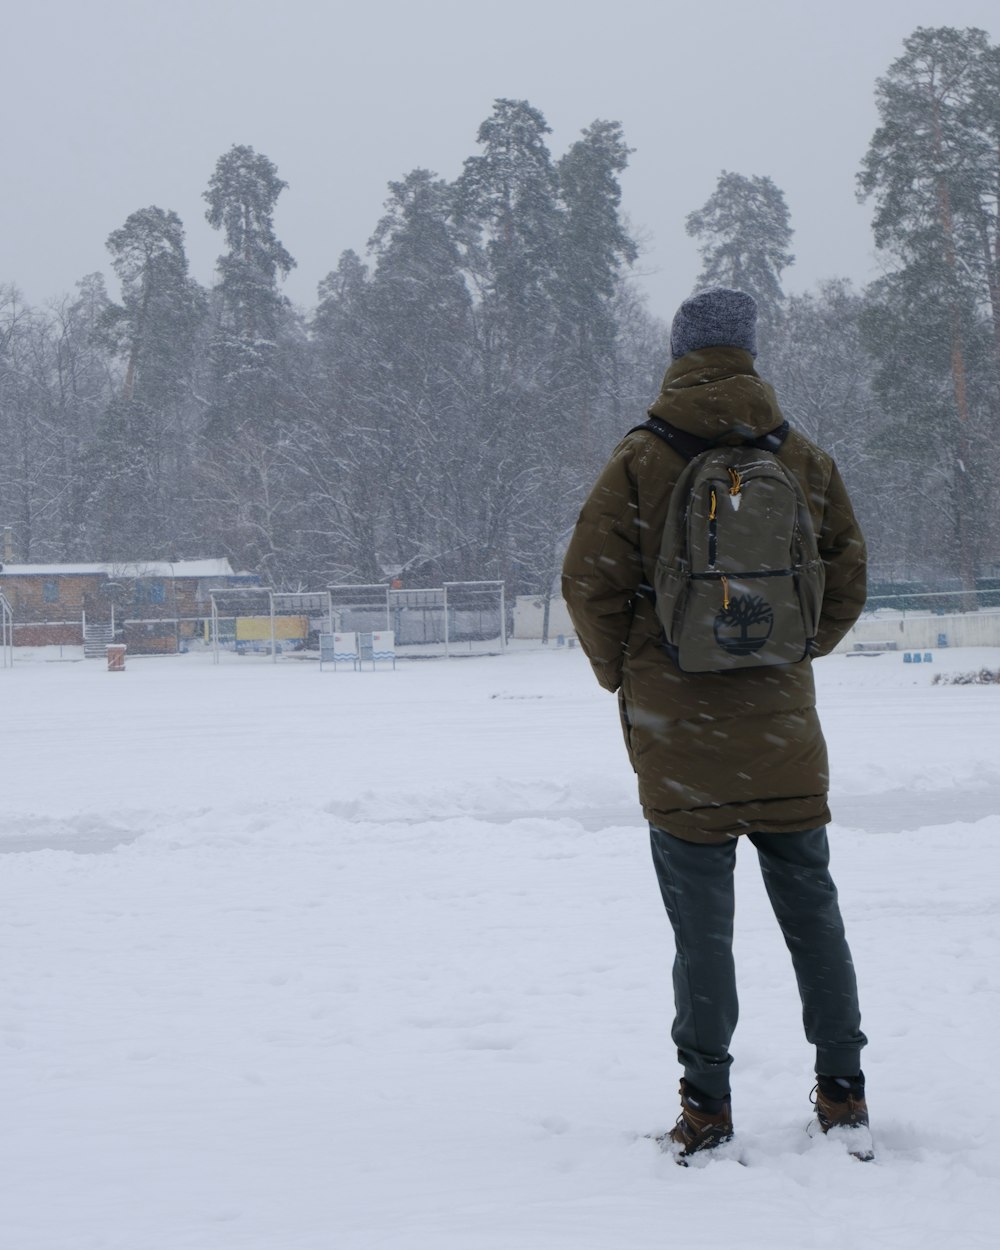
140,568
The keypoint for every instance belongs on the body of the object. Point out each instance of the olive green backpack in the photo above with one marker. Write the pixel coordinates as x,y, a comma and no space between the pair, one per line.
739,579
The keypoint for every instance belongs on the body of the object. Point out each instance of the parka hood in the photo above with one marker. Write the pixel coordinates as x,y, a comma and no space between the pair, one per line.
716,393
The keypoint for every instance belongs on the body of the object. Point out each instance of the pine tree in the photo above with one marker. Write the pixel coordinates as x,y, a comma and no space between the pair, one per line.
510,221
161,306
154,331
744,236
251,313
933,170
594,243
256,352
420,314
242,194
584,368
506,204
339,448
595,248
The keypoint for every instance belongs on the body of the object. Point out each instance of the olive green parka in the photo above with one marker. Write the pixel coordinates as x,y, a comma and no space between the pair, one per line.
716,754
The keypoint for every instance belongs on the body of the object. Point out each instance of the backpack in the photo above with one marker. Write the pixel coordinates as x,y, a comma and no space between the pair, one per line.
739,580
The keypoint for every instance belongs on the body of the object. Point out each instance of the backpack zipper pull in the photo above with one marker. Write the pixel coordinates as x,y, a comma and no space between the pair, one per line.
735,490
713,540
725,592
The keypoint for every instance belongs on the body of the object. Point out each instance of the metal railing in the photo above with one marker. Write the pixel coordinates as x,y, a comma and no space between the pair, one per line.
7,641
938,602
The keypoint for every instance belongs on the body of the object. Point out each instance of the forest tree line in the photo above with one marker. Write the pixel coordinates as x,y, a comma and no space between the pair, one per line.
442,411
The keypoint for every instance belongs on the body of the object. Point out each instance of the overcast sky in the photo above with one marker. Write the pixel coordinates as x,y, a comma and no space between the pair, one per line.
113,105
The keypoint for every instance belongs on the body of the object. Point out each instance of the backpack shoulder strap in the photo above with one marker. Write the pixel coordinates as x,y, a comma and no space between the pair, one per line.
773,439
690,445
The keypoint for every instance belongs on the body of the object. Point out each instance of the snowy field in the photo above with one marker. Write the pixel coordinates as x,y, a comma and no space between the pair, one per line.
338,961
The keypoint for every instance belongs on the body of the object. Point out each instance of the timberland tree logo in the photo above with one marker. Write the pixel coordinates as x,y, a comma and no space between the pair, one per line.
744,625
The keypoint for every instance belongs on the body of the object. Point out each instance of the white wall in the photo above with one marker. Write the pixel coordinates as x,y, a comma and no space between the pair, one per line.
528,616
922,630
908,630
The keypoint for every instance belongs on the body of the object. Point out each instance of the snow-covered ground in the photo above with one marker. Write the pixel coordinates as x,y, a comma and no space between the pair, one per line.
339,961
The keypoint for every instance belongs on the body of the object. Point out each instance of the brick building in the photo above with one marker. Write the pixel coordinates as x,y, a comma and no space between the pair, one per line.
154,607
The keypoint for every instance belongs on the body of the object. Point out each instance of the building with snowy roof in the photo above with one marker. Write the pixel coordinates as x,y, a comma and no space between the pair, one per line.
155,606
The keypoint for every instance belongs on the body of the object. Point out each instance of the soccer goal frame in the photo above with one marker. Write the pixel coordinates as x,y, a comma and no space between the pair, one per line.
449,620
269,617
360,608
463,602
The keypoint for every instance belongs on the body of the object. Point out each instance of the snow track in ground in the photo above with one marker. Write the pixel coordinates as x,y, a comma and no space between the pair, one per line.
352,961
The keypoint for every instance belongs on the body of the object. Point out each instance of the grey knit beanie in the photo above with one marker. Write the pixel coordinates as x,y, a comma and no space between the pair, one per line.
717,317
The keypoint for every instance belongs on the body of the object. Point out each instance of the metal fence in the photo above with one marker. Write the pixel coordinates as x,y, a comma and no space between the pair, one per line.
7,644
469,617
937,598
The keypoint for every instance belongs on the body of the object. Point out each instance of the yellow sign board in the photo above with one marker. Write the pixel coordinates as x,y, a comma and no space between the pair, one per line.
258,628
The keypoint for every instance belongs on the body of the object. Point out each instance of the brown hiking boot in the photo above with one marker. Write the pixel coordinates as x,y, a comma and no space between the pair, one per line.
703,1123
841,1109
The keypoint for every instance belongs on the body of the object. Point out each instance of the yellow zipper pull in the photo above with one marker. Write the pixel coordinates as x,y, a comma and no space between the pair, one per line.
725,592
737,481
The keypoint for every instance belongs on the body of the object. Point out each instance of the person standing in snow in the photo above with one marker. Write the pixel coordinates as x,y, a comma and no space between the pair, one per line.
722,755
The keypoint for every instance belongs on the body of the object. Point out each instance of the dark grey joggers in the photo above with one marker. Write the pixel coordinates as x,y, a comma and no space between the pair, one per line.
696,881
